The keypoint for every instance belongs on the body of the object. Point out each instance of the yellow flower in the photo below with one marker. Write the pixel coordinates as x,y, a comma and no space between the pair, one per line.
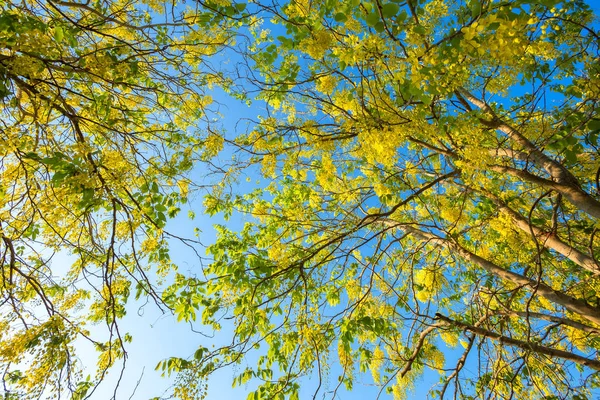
326,84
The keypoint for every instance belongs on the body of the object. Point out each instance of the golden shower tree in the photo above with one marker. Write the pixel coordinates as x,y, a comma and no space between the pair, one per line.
101,105
430,179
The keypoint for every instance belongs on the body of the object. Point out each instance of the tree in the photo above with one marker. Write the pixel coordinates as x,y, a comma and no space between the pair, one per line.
101,104
429,177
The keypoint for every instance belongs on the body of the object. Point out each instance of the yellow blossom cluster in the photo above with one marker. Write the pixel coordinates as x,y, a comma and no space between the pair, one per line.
345,357
317,44
326,84
298,8
430,281
213,144
379,146
376,363
450,338
327,173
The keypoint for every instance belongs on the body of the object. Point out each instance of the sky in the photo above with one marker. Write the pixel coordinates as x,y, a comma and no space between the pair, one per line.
157,336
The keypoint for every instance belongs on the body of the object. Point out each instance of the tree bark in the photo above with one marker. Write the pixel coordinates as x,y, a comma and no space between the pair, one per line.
555,353
572,304
564,182
550,240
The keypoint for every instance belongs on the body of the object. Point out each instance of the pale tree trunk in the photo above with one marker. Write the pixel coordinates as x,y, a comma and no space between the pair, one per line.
548,240
554,353
561,178
572,304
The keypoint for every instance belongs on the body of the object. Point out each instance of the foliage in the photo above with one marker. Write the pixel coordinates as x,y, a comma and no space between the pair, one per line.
101,103
429,177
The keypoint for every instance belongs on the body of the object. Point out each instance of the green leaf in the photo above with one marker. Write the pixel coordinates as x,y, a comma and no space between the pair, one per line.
549,3
87,197
199,353
372,19
340,17
571,156
420,29
401,17
594,124
81,390
390,9
475,8
59,34
58,177
580,397
4,91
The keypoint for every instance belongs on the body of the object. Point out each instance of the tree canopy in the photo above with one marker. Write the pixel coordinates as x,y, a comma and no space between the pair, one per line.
424,197
101,105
